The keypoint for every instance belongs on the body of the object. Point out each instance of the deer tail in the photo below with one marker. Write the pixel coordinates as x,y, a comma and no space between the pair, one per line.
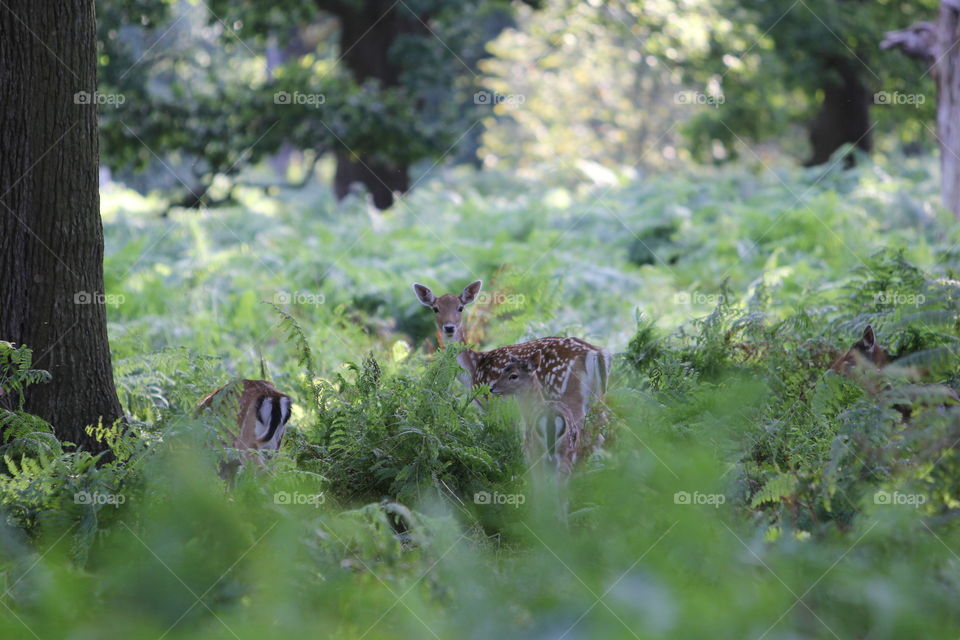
603,368
597,366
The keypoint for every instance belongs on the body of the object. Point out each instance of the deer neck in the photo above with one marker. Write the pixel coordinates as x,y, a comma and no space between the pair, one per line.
467,359
535,394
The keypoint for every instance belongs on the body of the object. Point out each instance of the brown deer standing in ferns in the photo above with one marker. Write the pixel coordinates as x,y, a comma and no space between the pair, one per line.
571,372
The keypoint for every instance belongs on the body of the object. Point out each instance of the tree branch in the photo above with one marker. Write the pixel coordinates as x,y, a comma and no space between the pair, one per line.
917,41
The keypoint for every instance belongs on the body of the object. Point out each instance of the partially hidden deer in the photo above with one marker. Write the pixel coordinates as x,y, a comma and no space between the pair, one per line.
261,417
552,434
867,363
865,352
570,371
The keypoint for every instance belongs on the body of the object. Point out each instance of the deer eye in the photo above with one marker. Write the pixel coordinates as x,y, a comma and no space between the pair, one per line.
460,308
514,376
436,309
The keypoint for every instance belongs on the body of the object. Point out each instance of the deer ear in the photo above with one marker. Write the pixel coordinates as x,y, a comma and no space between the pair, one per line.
869,339
470,292
533,362
424,295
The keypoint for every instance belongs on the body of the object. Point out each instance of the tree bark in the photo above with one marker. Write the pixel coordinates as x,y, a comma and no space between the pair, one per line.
937,45
51,237
367,33
947,75
381,179
844,115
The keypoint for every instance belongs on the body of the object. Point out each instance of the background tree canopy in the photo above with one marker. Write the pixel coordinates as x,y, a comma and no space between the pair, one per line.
213,88
222,85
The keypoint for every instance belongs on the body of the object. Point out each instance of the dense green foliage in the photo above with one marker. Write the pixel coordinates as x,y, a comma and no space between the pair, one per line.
744,491
652,83
772,59
207,89
198,91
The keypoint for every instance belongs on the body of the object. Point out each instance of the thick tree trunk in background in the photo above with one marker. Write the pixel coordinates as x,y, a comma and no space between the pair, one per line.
382,180
51,238
947,74
366,35
844,116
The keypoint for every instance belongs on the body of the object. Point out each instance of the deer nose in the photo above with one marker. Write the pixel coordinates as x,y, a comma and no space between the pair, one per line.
449,328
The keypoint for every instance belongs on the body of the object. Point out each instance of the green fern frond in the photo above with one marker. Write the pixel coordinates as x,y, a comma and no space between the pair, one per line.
16,372
775,489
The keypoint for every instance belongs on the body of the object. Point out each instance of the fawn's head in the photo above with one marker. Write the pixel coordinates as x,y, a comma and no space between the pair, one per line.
448,309
864,352
519,376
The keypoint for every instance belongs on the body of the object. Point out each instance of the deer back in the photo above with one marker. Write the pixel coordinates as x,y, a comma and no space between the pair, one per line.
566,364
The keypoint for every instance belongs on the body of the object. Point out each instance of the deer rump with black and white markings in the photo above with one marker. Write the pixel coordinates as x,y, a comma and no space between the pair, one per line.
262,413
570,373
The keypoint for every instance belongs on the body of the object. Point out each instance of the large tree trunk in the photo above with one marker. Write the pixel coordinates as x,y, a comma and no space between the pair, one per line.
844,115
51,238
947,75
366,35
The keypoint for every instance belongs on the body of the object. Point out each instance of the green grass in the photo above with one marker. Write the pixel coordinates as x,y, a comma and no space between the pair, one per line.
737,497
